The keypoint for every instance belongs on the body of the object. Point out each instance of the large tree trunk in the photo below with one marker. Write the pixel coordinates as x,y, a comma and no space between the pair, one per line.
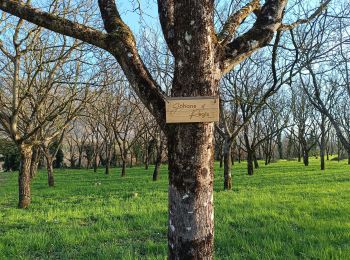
191,212
227,164
24,176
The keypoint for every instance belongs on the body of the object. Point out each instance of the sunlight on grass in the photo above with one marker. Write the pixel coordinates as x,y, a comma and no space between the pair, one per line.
284,211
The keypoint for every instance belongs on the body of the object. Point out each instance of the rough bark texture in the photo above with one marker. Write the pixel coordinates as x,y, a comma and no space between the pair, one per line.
191,212
24,176
190,146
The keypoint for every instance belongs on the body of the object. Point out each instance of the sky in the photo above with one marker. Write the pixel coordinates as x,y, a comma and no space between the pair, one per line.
136,19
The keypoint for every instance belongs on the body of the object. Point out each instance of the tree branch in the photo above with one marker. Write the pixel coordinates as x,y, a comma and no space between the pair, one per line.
234,21
267,23
319,10
55,23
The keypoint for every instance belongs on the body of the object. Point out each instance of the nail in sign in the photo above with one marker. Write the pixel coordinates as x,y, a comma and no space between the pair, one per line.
192,110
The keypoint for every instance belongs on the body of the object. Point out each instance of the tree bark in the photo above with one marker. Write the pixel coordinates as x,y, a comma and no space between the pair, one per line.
50,174
24,176
280,145
123,168
95,164
191,212
158,161
201,58
256,163
34,162
306,158
250,160
227,164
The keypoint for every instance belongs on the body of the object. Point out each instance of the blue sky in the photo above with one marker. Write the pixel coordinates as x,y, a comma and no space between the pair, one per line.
133,19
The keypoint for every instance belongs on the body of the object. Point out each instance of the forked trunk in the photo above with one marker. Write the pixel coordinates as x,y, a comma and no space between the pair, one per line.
191,212
24,176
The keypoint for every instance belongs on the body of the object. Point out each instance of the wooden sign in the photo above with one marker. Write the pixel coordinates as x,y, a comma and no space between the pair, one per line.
192,109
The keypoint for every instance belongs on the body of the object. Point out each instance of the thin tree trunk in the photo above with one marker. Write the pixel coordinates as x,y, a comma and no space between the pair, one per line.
232,156
123,168
95,163
349,157
280,145
108,163
50,174
322,153
49,166
306,158
107,167
158,161
227,164
191,211
80,159
34,162
221,160
131,162
256,163
250,160
227,171
24,176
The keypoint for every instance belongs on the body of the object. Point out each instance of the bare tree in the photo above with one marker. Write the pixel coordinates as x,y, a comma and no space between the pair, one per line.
202,57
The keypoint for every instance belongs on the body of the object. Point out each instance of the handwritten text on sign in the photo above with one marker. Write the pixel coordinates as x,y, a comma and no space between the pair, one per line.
192,110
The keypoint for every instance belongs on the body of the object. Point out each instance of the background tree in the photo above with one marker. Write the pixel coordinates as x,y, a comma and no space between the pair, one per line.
202,56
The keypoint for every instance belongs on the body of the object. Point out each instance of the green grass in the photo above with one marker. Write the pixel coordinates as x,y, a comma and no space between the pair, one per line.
284,211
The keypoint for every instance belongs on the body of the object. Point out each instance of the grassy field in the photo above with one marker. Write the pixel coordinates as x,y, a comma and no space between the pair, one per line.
284,211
